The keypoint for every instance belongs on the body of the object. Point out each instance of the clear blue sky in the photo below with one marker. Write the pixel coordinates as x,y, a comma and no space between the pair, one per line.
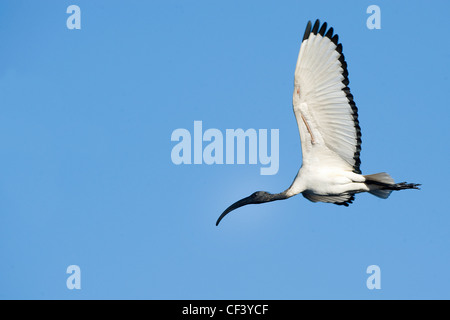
87,179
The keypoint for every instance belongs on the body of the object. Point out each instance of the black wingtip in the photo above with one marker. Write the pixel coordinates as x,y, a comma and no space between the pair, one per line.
307,31
335,39
323,29
315,27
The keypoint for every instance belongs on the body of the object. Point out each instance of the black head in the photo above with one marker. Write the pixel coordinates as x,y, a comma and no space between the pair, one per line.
260,197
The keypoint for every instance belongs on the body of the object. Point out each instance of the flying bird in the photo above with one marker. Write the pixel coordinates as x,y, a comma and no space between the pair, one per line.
330,134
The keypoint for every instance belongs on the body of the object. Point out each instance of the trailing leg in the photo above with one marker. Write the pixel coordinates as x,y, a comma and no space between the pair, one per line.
382,184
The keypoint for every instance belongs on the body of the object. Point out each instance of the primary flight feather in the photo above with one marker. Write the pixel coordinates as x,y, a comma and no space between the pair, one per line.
330,134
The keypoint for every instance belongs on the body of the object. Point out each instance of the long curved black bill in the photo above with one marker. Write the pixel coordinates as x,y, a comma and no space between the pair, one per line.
234,206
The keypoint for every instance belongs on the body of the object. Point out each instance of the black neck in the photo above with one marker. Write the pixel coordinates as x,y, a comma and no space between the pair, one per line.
277,196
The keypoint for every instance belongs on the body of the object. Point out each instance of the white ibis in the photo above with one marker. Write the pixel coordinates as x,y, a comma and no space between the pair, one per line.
327,120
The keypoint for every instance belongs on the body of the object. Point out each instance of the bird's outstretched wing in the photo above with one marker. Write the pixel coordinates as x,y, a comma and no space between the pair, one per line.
326,113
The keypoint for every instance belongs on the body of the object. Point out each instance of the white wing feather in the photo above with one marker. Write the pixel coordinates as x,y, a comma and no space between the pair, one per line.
326,114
